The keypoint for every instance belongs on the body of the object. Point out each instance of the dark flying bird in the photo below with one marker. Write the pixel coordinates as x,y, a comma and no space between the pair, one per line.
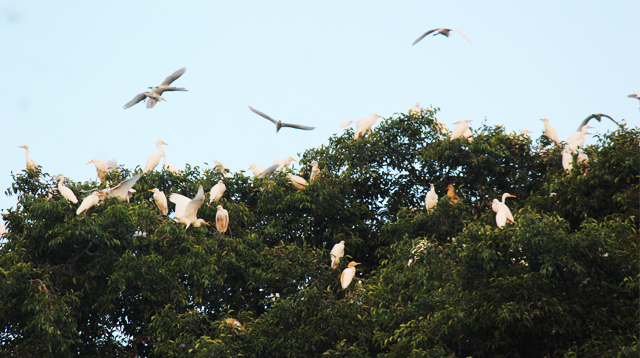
598,117
440,31
279,124
155,93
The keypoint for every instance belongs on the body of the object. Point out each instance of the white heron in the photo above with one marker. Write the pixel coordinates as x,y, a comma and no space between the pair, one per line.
64,191
170,167
224,170
442,128
504,214
103,167
431,200
467,134
440,31
550,132
154,159
283,163
315,171
578,141
257,170
297,181
336,253
582,157
567,158
216,192
460,129
280,124
123,190
495,205
31,164
579,134
222,219
362,125
155,93
415,110
348,273
186,211
161,201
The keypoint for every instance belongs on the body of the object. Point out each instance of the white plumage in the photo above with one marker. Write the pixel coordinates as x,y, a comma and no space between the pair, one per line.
315,171
216,192
362,125
187,209
283,163
348,273
154,158
550,132
460,129
66,192
31,164
336,253
161,201
297,181
431,200
222,219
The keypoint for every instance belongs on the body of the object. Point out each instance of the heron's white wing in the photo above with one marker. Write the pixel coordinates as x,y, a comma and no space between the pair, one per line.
347,123
298,126
463,35
263,115
151,102
139,97
122,189
423,36
181,202
161,90
191,211
268,171
174,76
112,165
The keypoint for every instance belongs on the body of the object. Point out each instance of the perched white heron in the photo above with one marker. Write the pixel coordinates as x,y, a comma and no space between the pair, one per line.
415,110
103,167
31,164
579,134
467,134
525,132
154,159
161,201
155,93
222,219
348,273
64,191
280,124
567,158
89,201
224,170
257,170
550,132
582,157
442,128
495,205
504,214
336,253
362,125
283,163
216,192
460,129
440,31
123,190
170,167
297,181
431,200
186,211
315,171
579,139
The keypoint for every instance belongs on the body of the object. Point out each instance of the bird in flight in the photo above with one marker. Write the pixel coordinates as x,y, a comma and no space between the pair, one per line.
154,94
596,116
440,31
280,124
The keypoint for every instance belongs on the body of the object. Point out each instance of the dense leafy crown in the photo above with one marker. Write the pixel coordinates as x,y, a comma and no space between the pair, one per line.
123,280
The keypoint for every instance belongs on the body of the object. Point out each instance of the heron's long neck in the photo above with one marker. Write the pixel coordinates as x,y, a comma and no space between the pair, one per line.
160,150
504,197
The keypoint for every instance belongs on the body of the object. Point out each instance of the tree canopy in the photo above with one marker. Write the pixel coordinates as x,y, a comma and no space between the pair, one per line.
121,280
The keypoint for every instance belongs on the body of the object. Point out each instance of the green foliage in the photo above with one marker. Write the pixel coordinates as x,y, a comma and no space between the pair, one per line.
121,278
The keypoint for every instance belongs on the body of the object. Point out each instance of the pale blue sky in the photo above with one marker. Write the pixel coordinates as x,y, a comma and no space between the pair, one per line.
69,67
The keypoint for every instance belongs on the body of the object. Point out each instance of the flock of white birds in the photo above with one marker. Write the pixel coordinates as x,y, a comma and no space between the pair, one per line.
186,209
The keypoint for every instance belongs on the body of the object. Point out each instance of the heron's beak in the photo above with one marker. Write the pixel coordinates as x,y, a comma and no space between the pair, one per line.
206,223
357,263
151,190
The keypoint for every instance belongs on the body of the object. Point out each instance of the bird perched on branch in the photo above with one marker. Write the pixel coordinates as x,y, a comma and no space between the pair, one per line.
224,170
90,201
348,273
550,132
187,209
216,192
64,191
103,167
336,253
222,219
504,213
280,124
170,167
315,171
431,200
460,129
154,158
161,201
415,110
155,93
451,194
362,125
257,170
283,163
297,181
31,164
440,31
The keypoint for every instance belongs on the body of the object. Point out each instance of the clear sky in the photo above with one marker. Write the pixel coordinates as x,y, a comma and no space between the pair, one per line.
67,69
